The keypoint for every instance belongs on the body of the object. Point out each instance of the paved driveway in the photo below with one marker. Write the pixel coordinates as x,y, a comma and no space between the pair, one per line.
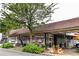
9,52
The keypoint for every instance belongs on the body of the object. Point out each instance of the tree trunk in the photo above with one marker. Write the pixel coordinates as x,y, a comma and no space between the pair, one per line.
31,37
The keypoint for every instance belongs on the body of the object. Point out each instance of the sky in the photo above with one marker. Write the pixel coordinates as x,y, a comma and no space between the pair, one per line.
67,8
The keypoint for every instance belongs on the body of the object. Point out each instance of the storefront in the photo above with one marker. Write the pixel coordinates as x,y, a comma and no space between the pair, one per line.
55,33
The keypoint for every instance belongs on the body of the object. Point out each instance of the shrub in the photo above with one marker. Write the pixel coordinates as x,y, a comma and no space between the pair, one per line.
0,46
33,48
7,45
43,46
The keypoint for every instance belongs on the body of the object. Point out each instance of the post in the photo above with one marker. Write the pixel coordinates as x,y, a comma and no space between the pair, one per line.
45,36
55,44
52,40
21,40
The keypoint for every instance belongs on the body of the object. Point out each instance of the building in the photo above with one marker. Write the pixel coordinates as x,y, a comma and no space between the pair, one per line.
55,32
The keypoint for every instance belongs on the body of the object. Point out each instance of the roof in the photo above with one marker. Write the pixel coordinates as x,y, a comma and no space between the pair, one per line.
74,22
51,27
18,31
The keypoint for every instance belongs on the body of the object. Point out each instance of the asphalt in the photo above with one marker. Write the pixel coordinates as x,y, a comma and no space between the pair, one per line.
9,52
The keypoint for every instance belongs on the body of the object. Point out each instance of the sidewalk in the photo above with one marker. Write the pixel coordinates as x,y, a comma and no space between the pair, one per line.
67,52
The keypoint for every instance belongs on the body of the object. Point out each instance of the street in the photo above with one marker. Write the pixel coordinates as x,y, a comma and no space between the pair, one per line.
9,52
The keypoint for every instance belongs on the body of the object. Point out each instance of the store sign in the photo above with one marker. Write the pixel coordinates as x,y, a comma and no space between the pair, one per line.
71,34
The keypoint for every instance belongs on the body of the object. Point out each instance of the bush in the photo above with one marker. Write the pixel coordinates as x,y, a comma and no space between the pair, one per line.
33,48
7,45
43,46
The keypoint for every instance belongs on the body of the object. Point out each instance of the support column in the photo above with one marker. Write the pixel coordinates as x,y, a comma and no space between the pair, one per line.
21,40
55,44
52,40
45,36
55,40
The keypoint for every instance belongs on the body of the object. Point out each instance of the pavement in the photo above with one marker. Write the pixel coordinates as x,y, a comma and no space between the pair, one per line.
10,52
66,52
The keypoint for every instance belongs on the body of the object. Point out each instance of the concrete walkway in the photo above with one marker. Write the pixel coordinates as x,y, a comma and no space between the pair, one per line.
71,52
9,52
67,52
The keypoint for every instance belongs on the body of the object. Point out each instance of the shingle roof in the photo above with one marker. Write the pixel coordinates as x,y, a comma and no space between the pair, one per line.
18,31
74,22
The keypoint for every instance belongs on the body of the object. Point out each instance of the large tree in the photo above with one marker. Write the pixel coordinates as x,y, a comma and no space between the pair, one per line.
30,14
8,23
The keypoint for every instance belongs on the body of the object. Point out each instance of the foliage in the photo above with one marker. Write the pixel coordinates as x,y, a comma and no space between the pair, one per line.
43,45
7,45
0,46
30,15
33,48
6,24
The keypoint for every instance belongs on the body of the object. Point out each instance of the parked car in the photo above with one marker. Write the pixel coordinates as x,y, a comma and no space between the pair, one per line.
4,39
77,44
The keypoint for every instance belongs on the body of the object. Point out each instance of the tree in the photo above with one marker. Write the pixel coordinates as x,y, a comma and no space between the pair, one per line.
8,23
30,15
